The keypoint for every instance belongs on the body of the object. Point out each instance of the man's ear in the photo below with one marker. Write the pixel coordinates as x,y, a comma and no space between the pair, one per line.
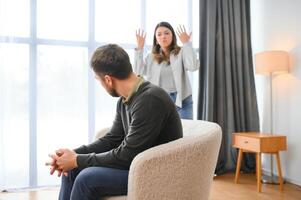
108,79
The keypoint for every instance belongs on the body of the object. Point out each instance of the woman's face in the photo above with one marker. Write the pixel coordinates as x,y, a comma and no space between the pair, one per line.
163,37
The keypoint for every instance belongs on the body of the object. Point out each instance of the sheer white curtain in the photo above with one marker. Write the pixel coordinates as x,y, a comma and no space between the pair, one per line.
48,95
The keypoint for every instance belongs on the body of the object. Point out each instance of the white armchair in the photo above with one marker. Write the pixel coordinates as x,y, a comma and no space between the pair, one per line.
179,170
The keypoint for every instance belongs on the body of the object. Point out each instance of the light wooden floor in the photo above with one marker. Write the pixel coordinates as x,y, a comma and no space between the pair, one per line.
223,188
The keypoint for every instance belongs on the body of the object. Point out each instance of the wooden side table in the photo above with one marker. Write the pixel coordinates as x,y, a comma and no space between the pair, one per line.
259,143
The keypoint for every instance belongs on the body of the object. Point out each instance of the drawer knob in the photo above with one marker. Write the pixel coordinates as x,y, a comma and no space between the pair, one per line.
246,142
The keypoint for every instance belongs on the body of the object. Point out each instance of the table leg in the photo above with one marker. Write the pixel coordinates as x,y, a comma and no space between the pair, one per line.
238,165
279,171
256,169
258,166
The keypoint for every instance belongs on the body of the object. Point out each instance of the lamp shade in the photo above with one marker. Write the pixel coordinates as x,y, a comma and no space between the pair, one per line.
267,62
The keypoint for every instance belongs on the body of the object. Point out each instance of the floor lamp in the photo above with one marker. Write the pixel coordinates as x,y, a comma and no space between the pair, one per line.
270,63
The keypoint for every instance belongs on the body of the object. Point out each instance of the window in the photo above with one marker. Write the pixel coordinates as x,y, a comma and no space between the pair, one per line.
48,95
62,20
113,22
14,128
62,98
18,23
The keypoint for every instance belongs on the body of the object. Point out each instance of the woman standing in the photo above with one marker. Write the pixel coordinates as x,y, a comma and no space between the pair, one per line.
167,64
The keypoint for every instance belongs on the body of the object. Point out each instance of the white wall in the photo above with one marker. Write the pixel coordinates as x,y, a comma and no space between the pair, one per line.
276,25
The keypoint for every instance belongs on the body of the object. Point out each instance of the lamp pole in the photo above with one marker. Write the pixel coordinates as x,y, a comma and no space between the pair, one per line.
271,179
272,125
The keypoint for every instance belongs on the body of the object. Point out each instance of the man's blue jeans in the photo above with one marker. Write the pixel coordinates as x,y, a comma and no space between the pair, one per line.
93,182
186,112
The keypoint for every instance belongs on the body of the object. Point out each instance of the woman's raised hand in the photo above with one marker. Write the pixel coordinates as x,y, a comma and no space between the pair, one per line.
140,37
183,35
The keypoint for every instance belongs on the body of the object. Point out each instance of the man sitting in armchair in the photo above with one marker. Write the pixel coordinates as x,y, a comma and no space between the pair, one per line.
145,117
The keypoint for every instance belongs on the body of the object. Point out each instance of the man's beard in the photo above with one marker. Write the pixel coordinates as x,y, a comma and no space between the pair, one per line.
113,92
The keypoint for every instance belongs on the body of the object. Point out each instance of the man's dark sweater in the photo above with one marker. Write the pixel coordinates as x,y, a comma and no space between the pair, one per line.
147,119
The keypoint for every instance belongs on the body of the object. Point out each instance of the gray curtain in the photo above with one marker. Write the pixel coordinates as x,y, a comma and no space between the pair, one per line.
227,93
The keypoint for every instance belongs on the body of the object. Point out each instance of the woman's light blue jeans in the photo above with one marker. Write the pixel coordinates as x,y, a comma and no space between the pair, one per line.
93,182
186,112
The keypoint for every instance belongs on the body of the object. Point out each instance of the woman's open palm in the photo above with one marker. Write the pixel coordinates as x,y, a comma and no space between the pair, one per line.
140,37
183,35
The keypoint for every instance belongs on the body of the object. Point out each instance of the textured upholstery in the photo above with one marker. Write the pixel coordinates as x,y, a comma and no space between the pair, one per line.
179,170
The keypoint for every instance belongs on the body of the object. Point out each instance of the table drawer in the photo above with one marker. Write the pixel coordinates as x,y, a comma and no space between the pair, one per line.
246,143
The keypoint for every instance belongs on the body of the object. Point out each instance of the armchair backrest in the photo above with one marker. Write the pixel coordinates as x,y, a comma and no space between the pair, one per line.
181,169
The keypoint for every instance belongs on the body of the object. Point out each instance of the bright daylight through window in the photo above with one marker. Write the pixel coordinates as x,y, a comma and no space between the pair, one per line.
48,95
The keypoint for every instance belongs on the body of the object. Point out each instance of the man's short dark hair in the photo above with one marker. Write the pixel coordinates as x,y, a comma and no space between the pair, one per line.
111,60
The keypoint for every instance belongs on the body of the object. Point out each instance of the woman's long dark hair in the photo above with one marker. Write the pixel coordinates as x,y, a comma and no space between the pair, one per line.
157,52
